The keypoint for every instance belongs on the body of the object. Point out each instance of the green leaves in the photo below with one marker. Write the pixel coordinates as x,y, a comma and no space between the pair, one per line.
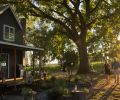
70,59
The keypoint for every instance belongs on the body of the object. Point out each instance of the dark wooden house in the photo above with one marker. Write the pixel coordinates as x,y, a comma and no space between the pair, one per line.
12,45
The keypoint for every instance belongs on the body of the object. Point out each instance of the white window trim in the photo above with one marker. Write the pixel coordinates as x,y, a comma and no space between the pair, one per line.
9,30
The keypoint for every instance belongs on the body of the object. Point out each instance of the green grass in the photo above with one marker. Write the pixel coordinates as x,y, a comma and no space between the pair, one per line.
52,68
98,66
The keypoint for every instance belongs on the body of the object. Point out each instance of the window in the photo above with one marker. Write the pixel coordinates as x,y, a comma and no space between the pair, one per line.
9,33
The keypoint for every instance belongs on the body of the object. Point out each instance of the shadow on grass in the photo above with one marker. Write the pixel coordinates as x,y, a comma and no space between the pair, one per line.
105,95
116,93
96,92
108,92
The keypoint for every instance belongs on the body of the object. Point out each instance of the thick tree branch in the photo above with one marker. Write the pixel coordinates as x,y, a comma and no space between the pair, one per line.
61,14
79,14
94,39
87,8
48,16
12,2
103,17
69,35
68,8
90,23
72,2
73,15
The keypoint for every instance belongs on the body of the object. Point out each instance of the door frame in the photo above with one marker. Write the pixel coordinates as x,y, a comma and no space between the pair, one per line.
8,69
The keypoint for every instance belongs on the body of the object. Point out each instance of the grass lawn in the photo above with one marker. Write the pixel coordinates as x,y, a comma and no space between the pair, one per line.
97,66
52,68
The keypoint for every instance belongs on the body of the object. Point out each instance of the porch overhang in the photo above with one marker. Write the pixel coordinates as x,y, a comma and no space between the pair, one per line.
26,48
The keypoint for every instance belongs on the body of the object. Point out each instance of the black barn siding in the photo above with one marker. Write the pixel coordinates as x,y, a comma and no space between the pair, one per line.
8,18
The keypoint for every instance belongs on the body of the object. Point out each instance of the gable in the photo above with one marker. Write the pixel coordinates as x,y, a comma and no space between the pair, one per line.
6,8
7,18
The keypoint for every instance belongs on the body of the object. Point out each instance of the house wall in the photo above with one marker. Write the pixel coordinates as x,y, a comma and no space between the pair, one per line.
8,18
19,60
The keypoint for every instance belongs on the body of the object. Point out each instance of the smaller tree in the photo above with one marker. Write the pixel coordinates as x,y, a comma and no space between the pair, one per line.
70,60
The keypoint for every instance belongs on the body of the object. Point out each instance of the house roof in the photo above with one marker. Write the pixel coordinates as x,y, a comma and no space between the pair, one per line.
27,48
3,8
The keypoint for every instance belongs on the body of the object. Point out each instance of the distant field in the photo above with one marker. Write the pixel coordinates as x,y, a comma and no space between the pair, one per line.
51,68
98,66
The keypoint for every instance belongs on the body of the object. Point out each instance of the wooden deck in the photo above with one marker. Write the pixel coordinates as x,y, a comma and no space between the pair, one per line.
12,82
19,81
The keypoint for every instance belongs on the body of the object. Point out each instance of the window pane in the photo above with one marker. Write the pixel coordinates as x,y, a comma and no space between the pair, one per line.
6,29
11,30
11,36
9,33
6,35
6,32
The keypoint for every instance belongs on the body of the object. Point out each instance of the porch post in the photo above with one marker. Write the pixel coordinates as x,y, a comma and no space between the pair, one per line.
15,66
33,63
2,70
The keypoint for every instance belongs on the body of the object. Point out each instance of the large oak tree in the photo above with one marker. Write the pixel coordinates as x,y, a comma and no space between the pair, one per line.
75,17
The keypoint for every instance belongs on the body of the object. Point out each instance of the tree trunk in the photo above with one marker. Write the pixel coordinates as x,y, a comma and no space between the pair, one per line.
83,57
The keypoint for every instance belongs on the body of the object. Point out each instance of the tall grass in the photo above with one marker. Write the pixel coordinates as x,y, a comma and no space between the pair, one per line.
98,66
52,68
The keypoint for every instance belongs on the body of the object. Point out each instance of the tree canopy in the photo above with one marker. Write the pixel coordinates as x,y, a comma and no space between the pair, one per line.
53,43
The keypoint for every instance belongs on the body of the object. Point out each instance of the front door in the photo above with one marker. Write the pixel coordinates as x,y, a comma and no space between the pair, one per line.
4,65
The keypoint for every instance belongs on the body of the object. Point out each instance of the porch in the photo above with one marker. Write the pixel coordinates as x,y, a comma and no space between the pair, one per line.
19,81
11,82
16,52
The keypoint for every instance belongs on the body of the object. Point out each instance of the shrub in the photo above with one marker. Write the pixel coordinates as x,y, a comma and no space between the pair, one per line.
45,86
26,92
70,60
55,94
58,89
28,68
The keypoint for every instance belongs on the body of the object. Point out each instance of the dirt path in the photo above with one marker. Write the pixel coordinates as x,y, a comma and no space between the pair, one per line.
103,91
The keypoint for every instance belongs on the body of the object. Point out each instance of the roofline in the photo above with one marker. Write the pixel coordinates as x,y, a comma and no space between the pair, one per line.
2,11
7,7
20,46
